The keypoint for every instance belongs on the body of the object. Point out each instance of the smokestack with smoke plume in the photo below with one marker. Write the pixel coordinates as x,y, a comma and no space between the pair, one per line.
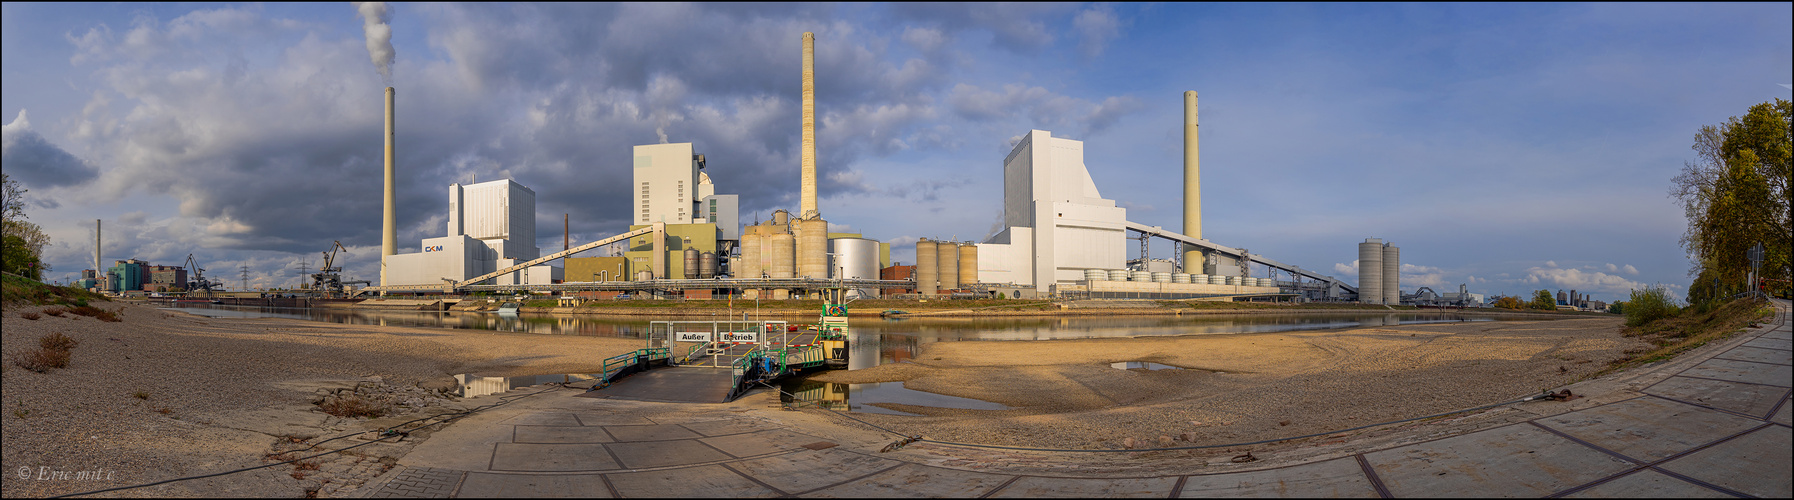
374,18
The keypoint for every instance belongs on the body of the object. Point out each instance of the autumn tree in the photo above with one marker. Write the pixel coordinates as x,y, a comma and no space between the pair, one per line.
1735,195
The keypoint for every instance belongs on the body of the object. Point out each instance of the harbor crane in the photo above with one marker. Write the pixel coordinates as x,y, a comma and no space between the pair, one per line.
329,280
199,281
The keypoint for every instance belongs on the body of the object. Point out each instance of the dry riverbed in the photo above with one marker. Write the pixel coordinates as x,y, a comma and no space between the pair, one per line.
164,394
1236,388
160,395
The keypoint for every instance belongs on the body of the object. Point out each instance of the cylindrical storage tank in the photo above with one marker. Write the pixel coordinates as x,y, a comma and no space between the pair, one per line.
968,263
1180,277
1140,276
707,265
1233,280
781,265
644,275
1199,279
1161,277
812,248
948,259
927,267
691,263
855,258
1392,275
748,266
781,217
1096,275
1117,275
1370,271
1216,279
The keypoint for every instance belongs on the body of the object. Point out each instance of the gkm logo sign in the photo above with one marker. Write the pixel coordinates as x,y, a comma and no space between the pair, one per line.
432,248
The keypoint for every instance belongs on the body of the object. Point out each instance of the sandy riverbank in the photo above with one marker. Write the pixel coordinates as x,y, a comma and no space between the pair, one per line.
1237,388
230,387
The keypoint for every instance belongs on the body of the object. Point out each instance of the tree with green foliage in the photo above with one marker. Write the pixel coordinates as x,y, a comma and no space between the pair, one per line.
22,248
1735,195
1542,300
1506,302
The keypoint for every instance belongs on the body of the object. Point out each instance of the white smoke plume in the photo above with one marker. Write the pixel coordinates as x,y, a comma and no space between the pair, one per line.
374,18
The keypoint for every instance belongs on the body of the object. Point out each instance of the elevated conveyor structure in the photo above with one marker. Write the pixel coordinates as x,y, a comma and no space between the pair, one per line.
1240,254
465,284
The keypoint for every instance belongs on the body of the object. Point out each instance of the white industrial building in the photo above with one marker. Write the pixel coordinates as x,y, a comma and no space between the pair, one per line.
491,226
1057,224
670,187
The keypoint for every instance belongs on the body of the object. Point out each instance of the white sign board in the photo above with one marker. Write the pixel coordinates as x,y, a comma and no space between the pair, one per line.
692,336
743,337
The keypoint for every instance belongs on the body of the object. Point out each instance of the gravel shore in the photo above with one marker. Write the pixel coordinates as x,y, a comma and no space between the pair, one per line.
163,394
1236,388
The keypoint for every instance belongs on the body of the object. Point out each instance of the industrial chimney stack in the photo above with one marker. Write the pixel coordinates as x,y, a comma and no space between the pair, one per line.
807,209
389,236
1193,257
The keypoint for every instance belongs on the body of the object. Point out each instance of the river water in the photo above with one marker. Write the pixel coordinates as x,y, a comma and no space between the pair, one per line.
875,340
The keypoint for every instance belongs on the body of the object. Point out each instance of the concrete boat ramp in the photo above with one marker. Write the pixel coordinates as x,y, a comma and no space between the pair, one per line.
1712,423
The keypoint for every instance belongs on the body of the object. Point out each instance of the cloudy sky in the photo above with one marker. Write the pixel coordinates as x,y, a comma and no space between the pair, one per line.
1508,147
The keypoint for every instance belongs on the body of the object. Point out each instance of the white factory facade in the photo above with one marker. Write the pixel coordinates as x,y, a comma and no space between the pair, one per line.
491,225
1056,223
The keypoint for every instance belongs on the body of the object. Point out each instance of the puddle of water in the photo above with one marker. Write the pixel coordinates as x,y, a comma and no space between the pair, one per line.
477,385
1141,365
859,398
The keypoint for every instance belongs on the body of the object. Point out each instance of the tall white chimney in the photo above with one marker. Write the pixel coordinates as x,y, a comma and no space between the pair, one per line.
807,208
1193,257
389,236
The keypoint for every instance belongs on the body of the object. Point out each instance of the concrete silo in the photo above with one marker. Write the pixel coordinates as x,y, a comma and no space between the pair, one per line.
948,260
1392,275
968,263
1370,271
927,267
782,264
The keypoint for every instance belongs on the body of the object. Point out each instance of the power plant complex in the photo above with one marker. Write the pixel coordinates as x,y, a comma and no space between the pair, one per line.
1060,238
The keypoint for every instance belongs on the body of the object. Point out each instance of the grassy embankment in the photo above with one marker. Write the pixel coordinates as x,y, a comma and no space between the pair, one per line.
1674,330
17,290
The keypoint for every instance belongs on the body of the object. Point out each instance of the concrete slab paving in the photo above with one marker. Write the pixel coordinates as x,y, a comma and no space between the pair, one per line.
1649,429
1749,399
673,384
1760,355
612,419
658,432
1511,461
543,418
1783,415
1756,464
808,470
489,485
522,457
1647,484
1333,478
648,454
710,481
552,434
916,481
467,445
1744,371
724,427
1078,487
759,443
1771,343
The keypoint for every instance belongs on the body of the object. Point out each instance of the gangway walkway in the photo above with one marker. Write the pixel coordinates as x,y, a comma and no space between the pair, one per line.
750,352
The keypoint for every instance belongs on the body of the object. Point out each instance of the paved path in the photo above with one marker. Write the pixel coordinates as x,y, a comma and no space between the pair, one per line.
1714,423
